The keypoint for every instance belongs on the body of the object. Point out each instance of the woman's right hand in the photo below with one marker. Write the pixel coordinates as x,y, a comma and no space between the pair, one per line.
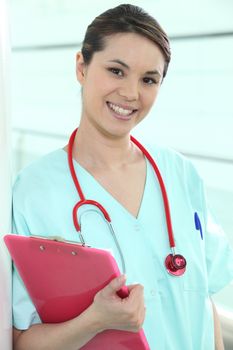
108,311
112,312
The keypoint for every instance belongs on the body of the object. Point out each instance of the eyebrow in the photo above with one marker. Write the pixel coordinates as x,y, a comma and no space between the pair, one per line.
127,67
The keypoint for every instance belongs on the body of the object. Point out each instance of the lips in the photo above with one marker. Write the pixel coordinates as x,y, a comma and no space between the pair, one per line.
122,111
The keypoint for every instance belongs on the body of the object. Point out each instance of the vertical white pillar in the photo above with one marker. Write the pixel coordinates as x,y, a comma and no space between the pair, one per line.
5,181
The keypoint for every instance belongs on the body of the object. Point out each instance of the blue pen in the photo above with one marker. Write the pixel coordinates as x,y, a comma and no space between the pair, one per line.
198,224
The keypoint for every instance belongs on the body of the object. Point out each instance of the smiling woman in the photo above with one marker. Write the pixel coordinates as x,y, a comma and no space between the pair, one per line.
129,83
121,66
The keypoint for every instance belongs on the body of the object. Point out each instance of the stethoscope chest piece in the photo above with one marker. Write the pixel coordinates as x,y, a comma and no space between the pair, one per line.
175,264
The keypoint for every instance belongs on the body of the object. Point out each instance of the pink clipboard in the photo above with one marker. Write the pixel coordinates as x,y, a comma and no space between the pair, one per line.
62,279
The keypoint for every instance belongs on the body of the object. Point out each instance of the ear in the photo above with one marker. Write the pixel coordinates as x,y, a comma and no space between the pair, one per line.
80,68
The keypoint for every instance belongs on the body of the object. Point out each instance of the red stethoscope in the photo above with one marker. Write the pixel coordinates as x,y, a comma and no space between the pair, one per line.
175,263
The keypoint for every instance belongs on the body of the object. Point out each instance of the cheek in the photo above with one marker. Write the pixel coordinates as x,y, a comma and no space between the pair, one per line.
150,98
90,92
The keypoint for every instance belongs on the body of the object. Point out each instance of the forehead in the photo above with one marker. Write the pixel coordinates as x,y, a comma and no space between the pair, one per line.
134,49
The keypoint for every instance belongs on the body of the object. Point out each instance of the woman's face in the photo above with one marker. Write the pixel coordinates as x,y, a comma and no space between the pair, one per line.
121,83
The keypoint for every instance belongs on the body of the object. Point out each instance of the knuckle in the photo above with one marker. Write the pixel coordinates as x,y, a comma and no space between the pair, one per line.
134,330
140,287
137,326
136,323
131,315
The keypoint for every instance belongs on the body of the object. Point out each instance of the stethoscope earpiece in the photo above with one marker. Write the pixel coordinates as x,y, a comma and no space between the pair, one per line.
175,264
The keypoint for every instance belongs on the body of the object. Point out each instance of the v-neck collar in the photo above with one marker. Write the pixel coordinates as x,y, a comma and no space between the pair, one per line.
107,194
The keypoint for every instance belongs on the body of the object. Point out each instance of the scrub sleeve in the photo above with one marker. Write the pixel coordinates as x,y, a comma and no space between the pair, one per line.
217,250
219,255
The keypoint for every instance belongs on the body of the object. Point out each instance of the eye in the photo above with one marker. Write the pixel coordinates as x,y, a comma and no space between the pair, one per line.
116,71
149,81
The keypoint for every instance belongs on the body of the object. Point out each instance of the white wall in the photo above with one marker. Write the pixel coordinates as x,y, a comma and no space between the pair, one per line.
5,185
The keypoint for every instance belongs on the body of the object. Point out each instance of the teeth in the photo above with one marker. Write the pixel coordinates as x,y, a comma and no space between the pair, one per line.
120,110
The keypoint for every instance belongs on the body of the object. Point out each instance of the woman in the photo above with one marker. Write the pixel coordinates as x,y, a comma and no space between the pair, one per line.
121,66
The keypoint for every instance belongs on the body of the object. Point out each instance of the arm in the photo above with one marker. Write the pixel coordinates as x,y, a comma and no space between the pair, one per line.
108,311
70,335
217,330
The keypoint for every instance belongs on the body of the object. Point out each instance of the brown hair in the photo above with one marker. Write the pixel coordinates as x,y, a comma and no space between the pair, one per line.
124,18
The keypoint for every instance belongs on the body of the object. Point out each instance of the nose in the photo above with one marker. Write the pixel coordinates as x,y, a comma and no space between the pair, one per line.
129,90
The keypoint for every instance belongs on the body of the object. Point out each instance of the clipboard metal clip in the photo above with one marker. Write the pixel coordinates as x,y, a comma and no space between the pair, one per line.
59,239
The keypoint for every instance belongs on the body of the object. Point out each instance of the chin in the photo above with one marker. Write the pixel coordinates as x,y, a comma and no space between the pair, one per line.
115,132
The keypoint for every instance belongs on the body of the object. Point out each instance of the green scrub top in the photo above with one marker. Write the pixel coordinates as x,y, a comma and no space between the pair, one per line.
178,309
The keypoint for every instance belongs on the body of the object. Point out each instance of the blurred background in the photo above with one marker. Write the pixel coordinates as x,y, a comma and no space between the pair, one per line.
193,113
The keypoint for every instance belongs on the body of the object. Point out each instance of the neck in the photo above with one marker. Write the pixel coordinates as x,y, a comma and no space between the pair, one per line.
94,148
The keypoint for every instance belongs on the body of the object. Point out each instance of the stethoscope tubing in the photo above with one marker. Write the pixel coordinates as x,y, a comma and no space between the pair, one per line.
175,264
112,234
163,190
103,210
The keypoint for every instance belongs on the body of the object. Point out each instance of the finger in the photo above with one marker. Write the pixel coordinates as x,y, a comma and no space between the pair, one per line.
136,296
141,312
114,286
136,289
132,286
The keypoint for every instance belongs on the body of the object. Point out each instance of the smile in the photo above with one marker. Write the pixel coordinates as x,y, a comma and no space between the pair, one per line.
124,112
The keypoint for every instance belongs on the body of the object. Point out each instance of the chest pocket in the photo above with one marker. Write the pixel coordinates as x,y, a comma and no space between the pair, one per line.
195,277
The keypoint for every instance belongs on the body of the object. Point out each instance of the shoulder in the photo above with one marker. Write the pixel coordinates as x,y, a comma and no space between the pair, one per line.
175,167
170,158
40,175
182,179
40,169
